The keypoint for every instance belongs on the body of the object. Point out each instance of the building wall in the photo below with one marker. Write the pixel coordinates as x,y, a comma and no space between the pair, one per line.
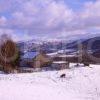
41,61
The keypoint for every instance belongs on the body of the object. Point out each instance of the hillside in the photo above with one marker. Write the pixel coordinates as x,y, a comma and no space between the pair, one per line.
80,84
94,42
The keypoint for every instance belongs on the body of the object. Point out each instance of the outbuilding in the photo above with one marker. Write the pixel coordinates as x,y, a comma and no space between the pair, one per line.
36,59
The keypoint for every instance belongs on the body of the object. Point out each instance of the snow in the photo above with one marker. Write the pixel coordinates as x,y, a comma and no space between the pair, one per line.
60,62
81,83
64,56
52,54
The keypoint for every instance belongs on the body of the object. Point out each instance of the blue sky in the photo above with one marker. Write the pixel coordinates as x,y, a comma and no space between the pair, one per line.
77,4
49,19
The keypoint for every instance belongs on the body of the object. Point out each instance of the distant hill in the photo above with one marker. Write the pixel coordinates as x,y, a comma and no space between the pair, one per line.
92,43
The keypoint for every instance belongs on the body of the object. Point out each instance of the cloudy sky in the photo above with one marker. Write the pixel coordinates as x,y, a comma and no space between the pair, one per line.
49,19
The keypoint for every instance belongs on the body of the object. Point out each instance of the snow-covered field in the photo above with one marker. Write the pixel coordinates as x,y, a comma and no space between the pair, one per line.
82,83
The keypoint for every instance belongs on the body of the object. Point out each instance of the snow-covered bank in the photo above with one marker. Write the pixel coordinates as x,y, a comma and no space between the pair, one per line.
80,84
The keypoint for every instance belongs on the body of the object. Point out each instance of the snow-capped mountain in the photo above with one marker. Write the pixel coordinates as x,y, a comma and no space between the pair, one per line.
53,46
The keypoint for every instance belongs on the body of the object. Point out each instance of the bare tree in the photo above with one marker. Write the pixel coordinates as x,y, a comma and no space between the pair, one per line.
9,54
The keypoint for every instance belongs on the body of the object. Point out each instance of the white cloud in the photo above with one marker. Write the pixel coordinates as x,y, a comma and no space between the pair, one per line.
43,15
50,17
91,14
3,21
10,33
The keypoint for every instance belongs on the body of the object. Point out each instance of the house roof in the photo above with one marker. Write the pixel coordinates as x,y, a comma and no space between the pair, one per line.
30,55
60,62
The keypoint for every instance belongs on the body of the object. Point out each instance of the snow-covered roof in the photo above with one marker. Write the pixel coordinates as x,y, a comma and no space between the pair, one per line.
52,54
30,55
60,62
67,56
